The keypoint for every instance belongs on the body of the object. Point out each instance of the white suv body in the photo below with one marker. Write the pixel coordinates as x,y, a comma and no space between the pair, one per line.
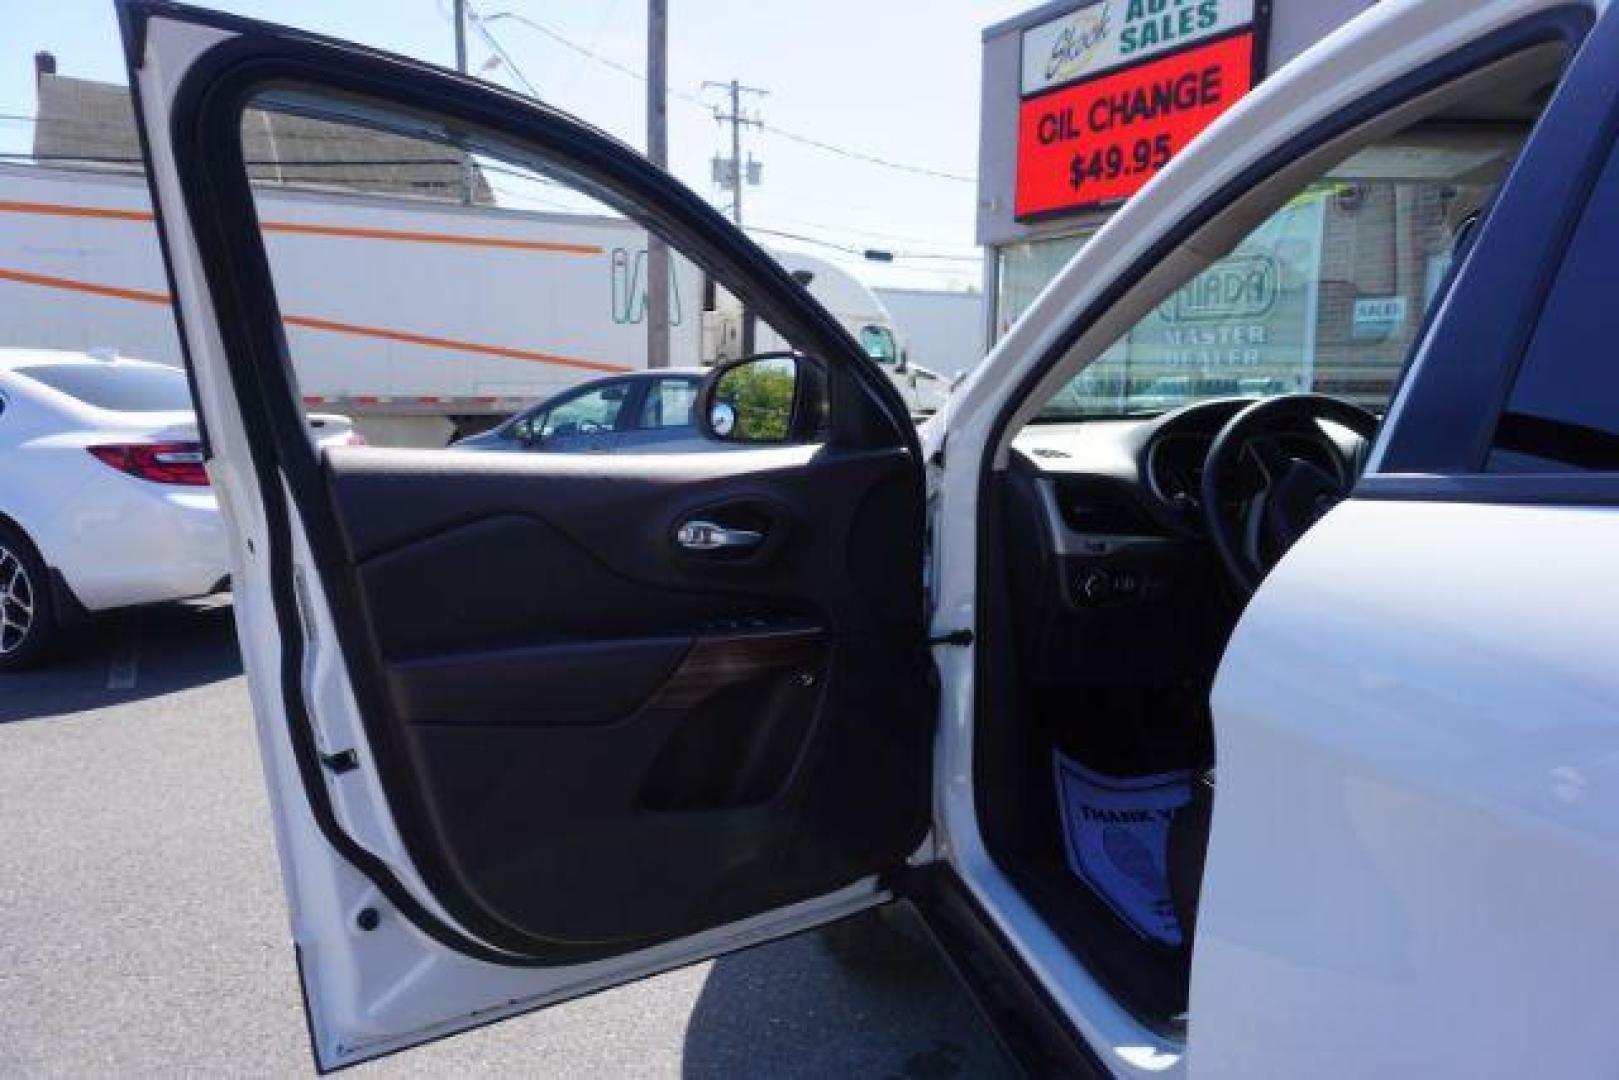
1411,859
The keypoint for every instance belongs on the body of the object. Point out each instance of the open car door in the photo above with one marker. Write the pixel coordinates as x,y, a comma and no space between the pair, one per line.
532,724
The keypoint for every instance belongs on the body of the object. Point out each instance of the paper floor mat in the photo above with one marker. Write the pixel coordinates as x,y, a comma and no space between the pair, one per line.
1116,830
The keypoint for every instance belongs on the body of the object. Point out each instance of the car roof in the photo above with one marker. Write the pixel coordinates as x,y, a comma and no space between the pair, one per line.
639,375
16,359
654,373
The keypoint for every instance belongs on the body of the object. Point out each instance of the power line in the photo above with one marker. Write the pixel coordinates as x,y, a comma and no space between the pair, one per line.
567,43
862,252
499,50
871,234
871,208
610,10
690,99
870,159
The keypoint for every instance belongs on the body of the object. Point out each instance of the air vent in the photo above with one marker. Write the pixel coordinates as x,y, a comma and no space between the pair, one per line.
1100,509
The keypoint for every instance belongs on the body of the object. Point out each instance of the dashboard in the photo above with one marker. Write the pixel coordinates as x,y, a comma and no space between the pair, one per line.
1107,535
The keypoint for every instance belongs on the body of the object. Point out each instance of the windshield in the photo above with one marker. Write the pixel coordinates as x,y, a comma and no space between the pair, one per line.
878,342
121,387
1326,295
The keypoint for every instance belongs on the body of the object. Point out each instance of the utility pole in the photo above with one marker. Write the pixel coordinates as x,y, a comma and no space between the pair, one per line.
657,151
460,11
734,172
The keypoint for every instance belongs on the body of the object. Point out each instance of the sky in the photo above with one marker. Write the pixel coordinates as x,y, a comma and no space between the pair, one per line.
898,81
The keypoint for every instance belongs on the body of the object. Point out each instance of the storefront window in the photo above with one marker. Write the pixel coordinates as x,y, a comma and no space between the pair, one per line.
1326,295
1027,268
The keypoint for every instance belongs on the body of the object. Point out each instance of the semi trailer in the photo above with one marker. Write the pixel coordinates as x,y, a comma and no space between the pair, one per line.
422,319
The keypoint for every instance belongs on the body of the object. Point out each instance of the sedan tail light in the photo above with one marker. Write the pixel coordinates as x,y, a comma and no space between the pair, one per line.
161,463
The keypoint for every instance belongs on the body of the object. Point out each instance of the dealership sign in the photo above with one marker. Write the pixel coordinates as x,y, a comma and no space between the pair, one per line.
1114,89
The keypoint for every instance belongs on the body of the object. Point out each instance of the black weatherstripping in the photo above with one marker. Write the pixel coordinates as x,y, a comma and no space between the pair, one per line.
875,753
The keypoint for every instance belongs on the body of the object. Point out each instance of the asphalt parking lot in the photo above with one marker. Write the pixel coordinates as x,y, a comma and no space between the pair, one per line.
143,931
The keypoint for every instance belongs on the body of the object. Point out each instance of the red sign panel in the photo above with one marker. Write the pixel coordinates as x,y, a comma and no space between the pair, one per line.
1100,141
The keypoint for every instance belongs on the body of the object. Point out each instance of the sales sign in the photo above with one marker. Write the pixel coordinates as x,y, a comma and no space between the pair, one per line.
1143,78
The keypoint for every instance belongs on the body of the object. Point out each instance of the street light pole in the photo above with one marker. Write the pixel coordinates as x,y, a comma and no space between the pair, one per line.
460,11
657,150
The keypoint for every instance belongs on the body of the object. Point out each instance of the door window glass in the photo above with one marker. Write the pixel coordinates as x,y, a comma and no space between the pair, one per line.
432,285
878,341
115,386
595,413
669,403
1326,295
1563,412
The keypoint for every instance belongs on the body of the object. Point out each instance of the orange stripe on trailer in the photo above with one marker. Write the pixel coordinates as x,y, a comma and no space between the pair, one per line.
414,236
455,344
144,296
148,296
350,232
8,206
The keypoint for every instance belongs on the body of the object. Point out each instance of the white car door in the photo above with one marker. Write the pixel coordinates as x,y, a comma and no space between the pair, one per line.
535,724
1413,861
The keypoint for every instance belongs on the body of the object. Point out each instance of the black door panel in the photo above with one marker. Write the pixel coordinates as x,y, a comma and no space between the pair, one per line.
544,683
512,547
591,711
591,738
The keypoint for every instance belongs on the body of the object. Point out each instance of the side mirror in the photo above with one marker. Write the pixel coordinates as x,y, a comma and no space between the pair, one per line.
904,360
763,399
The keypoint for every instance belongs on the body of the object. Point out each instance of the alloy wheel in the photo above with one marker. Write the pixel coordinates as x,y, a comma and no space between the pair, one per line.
16,602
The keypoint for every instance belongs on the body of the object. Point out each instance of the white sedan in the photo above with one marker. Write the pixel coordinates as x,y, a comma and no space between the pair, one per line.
104,502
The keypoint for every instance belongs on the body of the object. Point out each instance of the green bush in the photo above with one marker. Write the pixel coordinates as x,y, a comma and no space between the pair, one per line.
762,395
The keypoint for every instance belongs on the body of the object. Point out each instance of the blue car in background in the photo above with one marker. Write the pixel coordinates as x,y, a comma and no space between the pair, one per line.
646,412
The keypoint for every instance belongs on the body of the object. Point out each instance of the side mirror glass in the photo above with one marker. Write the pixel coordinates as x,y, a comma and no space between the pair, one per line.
752,400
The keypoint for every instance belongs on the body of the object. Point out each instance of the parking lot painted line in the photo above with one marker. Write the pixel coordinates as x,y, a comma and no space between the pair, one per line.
123,667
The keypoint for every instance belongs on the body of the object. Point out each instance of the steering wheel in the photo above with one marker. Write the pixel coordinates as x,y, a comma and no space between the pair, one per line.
1296,493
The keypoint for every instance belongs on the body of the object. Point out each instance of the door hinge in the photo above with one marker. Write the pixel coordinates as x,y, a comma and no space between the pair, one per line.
959,638
341,762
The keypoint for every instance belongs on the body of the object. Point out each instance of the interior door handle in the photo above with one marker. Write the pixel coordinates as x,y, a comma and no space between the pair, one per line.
709,536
